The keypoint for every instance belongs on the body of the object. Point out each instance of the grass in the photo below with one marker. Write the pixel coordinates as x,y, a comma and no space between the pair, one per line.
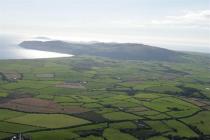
158,138
158,126
164,89
29,84
148,113
148,95
169,104
120,116
158,116
200,121
4,135
45,96
8,114
92,105
15,128
125,104
183,113
2,94
90,127
120,91
63,99
91,138
179,129
114,134
53,135
123,125
48,120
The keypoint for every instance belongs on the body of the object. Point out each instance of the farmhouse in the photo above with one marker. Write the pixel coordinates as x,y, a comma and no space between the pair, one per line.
18,136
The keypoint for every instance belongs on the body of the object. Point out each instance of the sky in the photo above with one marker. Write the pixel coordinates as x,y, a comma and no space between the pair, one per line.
173,24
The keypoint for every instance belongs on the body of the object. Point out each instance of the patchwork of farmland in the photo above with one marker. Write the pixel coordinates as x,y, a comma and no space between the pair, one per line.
62,99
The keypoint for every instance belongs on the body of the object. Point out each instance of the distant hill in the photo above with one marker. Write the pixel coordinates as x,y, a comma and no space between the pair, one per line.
123,51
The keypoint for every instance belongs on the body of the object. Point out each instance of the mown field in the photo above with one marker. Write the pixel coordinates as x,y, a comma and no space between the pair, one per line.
94,98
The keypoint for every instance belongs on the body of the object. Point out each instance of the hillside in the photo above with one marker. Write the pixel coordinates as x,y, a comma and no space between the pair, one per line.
123,51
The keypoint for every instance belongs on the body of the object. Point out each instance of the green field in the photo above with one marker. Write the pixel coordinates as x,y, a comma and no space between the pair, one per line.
8,114
119,99
48,120
2,94
16,128
200,121
113,134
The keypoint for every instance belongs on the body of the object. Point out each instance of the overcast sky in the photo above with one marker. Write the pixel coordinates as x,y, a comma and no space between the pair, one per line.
179,24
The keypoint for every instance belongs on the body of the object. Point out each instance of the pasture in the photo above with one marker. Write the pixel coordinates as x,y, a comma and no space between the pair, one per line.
95,98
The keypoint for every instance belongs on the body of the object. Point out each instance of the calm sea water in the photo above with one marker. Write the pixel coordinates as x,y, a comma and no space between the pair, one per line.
16,52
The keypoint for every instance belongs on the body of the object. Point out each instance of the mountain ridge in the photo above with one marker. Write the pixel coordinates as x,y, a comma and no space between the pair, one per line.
126,51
